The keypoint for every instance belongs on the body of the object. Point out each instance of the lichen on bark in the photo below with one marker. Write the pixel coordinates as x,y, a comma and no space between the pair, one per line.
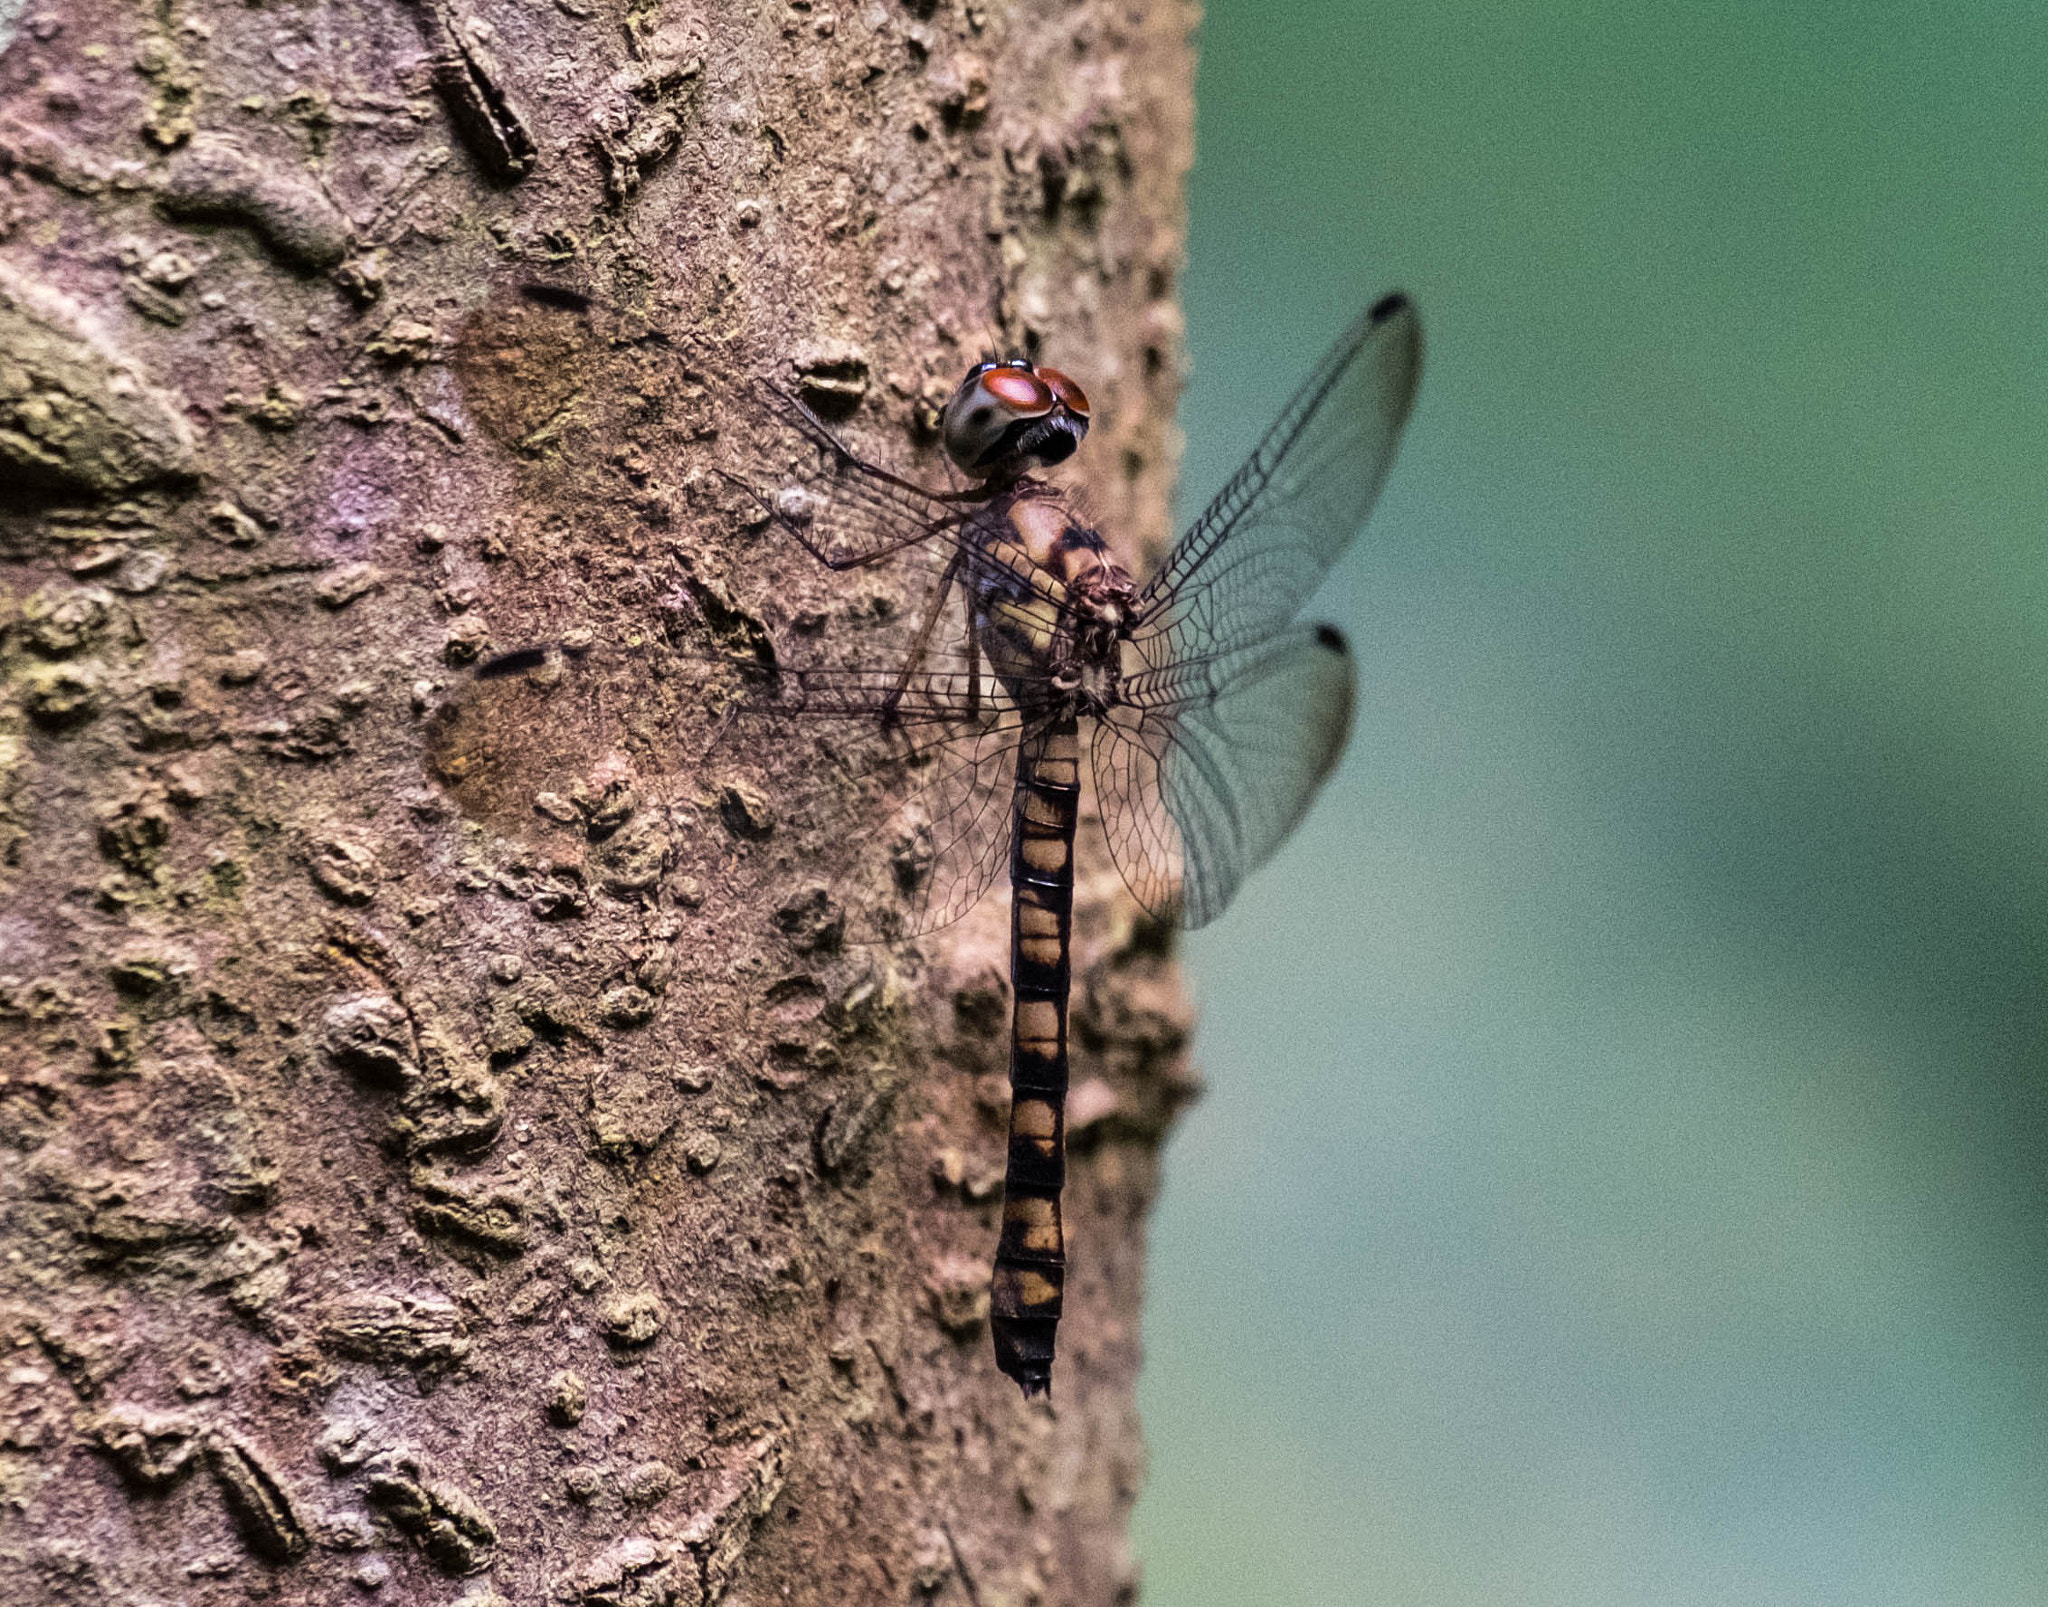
463,1162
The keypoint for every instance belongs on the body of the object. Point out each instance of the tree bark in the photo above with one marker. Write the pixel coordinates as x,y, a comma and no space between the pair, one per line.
437,1149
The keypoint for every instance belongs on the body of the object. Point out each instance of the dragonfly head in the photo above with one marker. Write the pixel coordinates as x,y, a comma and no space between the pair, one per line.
1010,417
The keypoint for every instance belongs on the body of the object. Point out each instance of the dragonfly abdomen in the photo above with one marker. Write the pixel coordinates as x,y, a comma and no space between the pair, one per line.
1024,1294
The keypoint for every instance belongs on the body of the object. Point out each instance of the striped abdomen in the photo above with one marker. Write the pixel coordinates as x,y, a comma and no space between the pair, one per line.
1031,1256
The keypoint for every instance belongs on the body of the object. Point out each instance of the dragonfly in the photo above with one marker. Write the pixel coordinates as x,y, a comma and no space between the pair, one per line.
1206,713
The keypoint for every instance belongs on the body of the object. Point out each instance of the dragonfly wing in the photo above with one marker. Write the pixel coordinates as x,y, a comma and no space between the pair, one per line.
941,828
1209,765
788,467
845,511
1248,563
895,789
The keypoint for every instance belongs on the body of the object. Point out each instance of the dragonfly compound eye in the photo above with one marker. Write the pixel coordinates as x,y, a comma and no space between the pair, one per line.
1071,396
976,426
1023,393
1006,420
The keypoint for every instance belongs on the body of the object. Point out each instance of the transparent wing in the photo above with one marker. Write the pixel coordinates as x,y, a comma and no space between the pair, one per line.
942,804
845,511
1248,563
782,463
894,790
1208,767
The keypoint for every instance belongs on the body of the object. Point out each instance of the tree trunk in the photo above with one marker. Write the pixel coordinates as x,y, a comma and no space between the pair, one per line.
438,1149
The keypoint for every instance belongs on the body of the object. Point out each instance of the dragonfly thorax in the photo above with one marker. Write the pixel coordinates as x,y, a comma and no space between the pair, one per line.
1054,608
1102,600
1091,685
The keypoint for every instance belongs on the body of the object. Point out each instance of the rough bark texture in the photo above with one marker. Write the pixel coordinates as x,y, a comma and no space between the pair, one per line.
423,1163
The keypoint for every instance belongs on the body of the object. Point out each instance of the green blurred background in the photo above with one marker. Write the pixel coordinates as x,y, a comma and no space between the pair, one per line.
1621,1179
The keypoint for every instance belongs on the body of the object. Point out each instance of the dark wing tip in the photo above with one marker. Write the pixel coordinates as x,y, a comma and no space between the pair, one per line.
561,296
1332,640
1391,305
527,658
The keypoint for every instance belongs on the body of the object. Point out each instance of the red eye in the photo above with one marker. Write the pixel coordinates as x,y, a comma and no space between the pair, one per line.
1071,395
1017,390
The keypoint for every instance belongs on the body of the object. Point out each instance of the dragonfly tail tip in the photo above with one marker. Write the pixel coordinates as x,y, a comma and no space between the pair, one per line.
1024,1349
